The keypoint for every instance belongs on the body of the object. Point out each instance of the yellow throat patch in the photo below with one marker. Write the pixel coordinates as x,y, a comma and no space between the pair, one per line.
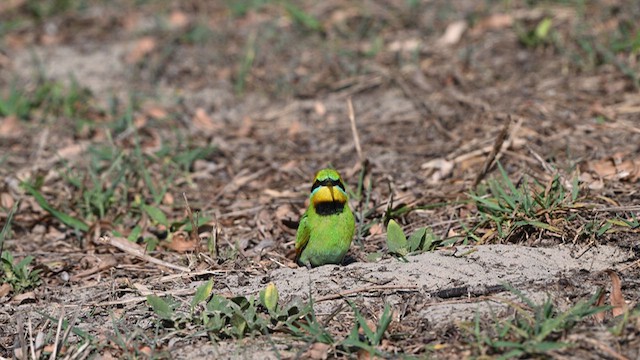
327,194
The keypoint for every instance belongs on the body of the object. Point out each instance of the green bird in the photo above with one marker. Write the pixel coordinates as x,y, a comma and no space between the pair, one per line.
327,226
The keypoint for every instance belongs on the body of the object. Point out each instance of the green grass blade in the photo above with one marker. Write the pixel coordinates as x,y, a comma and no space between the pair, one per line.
383,324
7,225
64,218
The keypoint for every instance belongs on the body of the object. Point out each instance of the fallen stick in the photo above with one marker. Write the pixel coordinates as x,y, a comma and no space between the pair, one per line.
497,147
137,251
366,289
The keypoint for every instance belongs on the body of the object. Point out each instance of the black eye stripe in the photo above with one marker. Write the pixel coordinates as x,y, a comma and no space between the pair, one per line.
315,185
327,182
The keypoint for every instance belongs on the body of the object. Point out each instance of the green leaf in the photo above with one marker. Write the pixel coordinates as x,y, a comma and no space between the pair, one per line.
538,224
575,189
604,229
545,346
415,240
202,293
383,324
396,241
135,233
269,297
6,228
160,307
302,17
429,240
156,215
64,218
201,220
543,28
239,324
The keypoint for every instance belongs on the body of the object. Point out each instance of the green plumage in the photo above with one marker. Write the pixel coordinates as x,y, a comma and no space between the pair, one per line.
327,226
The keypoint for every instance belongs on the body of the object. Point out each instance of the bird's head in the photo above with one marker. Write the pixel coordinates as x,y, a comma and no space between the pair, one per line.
328,188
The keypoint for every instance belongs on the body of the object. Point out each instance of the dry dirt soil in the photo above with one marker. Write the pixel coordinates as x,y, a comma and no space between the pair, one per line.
134,106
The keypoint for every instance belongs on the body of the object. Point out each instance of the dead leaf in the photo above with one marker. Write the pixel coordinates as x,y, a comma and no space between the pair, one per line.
24,297
617,167
616,298
5,289
6,200
156,112
597,109
142,47
167,199
376,229
599,317
492,22
318,351
453,33
146,350
178,19
71,151
406,45
180,242
246,128
204,122
10,127
365,355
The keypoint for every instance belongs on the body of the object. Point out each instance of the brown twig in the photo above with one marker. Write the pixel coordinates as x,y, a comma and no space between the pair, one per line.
497,146
135,250
467,291
618,208
603,347
58,331
194,228
366,289
106,264
354,130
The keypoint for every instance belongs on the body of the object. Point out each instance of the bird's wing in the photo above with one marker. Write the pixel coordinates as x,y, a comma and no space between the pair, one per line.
302,236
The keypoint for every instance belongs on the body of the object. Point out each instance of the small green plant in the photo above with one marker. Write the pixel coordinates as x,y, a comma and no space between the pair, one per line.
15,103
49,98
534,329
238,317
539,35
220,317
372,337
509,210
301,17
422,239
246,64
240,8
18,274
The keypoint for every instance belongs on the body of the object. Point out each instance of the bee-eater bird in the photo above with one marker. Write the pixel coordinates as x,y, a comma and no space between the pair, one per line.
327,226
